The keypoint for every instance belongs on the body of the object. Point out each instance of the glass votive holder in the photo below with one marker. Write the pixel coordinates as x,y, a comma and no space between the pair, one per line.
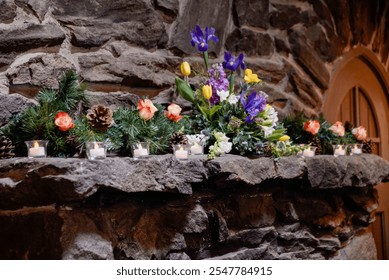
356,149
181,151
339,150
37,148
309,151
140,150
197,149
96,150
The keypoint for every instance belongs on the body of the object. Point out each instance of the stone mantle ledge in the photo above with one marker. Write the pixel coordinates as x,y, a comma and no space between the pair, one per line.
228,208
23,180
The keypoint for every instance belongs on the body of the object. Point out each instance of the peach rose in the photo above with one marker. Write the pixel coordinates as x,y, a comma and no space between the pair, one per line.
359,133
312,127
146,109
337,128
63,121
173,112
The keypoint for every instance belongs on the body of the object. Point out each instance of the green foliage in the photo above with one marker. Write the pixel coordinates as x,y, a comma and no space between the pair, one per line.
156,131
37,122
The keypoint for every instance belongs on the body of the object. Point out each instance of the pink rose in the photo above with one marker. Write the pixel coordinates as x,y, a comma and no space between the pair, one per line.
337,128
173,112
312,127
63,121
146,109
359,133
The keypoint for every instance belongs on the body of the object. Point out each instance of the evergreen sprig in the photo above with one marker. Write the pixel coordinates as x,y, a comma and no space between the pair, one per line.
37,122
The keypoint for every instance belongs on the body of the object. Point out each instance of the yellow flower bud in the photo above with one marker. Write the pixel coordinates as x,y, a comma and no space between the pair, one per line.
185,68
284,138
249,77
207,91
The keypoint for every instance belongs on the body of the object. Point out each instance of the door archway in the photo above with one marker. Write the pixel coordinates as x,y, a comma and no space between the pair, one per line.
359,92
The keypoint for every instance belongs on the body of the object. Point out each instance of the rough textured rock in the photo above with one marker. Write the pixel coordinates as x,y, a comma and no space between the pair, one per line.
30,36
8,11
361,248
12,104
248,11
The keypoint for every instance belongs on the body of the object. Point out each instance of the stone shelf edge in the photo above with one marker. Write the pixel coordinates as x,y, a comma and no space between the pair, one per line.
23,181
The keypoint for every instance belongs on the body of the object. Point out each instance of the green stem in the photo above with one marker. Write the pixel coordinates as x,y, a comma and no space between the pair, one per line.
205,54
231,82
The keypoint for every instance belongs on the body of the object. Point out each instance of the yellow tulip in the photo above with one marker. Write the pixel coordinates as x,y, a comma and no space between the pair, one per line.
249,77
185,68
284,138
207,91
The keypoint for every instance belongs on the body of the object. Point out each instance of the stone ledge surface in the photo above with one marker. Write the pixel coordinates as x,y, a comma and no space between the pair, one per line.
44,181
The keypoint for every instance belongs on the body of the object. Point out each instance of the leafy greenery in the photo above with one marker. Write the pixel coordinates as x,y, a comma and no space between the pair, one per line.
37,122
156,131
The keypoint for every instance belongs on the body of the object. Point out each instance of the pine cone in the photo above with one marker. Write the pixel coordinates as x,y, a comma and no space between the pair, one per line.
235,122
368,146
100,117
6,148
267,151
315,142
178,138
348,126
75,144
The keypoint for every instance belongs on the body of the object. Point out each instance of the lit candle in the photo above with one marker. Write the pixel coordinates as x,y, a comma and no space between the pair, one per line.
97,152
308,153
36,150
196,149
356,149
181,153
140,152
339,151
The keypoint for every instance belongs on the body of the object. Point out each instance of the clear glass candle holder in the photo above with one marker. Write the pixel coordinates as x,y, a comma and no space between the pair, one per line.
140,150
37,148
356,149
197,149
181,151
339,150
309,151
96,150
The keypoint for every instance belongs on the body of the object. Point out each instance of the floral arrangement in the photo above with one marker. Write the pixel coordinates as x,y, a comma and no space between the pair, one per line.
323,135
60,118
236,117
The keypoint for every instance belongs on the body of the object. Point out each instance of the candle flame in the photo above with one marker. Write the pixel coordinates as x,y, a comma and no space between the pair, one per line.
181,148
96,146
36,144
139,146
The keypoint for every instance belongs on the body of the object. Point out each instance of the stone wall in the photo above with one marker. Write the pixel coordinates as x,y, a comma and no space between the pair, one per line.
160,208
124,49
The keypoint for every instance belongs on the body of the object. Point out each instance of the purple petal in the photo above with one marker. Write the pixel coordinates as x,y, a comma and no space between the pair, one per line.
199,32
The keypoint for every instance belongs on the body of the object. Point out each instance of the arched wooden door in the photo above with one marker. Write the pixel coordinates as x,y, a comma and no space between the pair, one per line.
359,93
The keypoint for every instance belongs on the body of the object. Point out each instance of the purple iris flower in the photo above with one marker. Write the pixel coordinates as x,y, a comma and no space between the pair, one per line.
254,104
231,63
201,39
218,81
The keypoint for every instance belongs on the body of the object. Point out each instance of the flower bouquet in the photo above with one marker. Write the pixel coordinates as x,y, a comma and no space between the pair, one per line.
236,117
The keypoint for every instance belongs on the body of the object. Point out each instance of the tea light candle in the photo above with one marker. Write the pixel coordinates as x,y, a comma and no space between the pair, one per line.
181,153
36,150
356,149
340,151
140,151
97,152
308,153
196,149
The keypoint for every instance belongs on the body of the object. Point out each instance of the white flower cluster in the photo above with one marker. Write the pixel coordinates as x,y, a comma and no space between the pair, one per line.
270,120
222,145
225,95
197,138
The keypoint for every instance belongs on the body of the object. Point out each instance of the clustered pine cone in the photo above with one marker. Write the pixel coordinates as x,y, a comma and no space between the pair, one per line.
6,148
315,142
100,117
178,138
368,146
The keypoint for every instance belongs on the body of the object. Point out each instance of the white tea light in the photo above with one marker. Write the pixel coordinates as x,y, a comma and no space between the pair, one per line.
309,152
96,150
181,152
196,149
339,150
356,149
140,150
37,148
